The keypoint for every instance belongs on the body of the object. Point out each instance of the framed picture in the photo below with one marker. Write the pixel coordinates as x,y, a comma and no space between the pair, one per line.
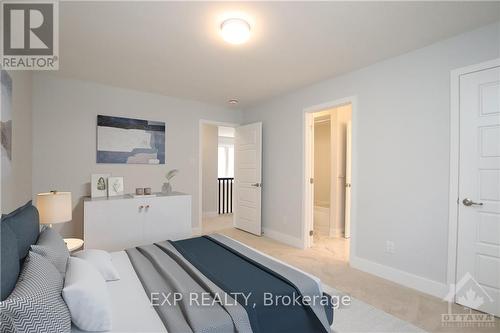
99,185
130,141
115,186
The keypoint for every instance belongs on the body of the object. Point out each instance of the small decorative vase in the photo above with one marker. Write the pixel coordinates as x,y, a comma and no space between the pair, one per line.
166,188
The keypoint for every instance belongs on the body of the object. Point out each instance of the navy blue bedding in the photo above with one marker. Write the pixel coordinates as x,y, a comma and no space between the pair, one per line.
235,273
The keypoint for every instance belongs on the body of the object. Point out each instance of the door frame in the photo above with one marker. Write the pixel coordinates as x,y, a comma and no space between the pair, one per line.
198,229
307,195
455,165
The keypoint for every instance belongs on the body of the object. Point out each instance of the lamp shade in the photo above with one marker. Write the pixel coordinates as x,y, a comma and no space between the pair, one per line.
54,207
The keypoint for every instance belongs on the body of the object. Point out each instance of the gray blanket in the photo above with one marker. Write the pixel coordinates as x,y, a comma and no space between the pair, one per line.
167,276
162,269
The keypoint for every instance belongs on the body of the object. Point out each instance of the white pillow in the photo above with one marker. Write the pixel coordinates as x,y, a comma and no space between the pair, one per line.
101,260
87,296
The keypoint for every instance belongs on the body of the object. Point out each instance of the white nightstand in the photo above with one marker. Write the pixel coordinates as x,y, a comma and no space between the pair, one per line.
73,244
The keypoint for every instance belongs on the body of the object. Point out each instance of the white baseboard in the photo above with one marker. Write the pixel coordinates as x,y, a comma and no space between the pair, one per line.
209,215
406,279
283,238
335,232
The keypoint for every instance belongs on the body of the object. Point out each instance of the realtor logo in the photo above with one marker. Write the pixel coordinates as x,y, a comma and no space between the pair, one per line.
469,293
30,38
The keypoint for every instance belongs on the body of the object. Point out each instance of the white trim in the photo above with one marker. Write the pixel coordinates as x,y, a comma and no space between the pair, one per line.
210,215
454,161
406,279
200,165
306,216
283,238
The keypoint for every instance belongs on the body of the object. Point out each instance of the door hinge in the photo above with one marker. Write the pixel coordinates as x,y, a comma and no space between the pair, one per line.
311,180
311,232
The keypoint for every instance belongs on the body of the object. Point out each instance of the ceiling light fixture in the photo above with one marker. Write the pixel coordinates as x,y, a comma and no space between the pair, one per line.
233,101
235,31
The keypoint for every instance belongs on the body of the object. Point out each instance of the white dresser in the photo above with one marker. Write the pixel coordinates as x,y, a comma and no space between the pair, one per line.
118,223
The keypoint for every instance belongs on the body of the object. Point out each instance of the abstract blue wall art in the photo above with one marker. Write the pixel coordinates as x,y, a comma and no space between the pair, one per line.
130,141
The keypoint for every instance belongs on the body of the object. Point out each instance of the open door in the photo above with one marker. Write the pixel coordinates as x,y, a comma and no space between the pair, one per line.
248,178
348,172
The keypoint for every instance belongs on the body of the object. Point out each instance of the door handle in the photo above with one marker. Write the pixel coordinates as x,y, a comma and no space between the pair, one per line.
468,202
257,185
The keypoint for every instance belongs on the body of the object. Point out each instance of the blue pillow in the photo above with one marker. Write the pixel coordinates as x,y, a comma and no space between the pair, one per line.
10,260
24,222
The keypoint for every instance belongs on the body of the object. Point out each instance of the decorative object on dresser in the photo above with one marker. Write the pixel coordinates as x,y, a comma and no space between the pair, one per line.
99,185
115,186
143,192
119,223
130,141
167,186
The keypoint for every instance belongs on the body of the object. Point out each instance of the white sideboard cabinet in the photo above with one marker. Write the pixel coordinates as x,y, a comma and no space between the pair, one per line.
118,223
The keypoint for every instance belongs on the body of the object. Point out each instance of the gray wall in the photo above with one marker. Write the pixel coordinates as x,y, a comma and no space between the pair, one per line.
401,138
210,135
64,133
16,174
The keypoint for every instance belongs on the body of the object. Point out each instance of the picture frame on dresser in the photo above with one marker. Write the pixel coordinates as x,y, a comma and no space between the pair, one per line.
115,186
99,185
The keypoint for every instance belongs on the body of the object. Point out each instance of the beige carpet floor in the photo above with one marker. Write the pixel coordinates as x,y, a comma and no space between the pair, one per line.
328,260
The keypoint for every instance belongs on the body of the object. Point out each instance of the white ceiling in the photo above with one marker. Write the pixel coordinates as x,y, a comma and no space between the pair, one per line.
175,49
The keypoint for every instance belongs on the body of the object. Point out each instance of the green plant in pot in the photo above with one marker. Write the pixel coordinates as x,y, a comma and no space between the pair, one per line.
167,186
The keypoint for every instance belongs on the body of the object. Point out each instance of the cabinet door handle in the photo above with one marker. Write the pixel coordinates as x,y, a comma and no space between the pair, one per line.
141,207
147,206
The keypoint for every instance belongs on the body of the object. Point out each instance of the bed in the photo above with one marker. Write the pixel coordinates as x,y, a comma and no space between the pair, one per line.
222,286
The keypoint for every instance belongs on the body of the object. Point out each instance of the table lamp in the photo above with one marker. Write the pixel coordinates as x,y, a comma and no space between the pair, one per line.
54,207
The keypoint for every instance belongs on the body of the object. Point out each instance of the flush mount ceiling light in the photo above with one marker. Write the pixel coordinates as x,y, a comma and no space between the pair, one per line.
235,31
233,101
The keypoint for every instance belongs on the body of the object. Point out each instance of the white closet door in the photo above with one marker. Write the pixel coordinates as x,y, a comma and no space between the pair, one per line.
478,253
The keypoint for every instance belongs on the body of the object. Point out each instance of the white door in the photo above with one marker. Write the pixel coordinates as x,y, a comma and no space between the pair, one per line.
478,250
348,173
248,178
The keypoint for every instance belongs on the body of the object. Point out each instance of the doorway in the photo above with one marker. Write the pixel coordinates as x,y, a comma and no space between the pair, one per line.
474,239
216,176
328,164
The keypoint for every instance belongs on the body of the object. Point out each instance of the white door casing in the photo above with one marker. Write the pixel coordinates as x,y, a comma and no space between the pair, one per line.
348,176
248,178
478,242
308,189
311,179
